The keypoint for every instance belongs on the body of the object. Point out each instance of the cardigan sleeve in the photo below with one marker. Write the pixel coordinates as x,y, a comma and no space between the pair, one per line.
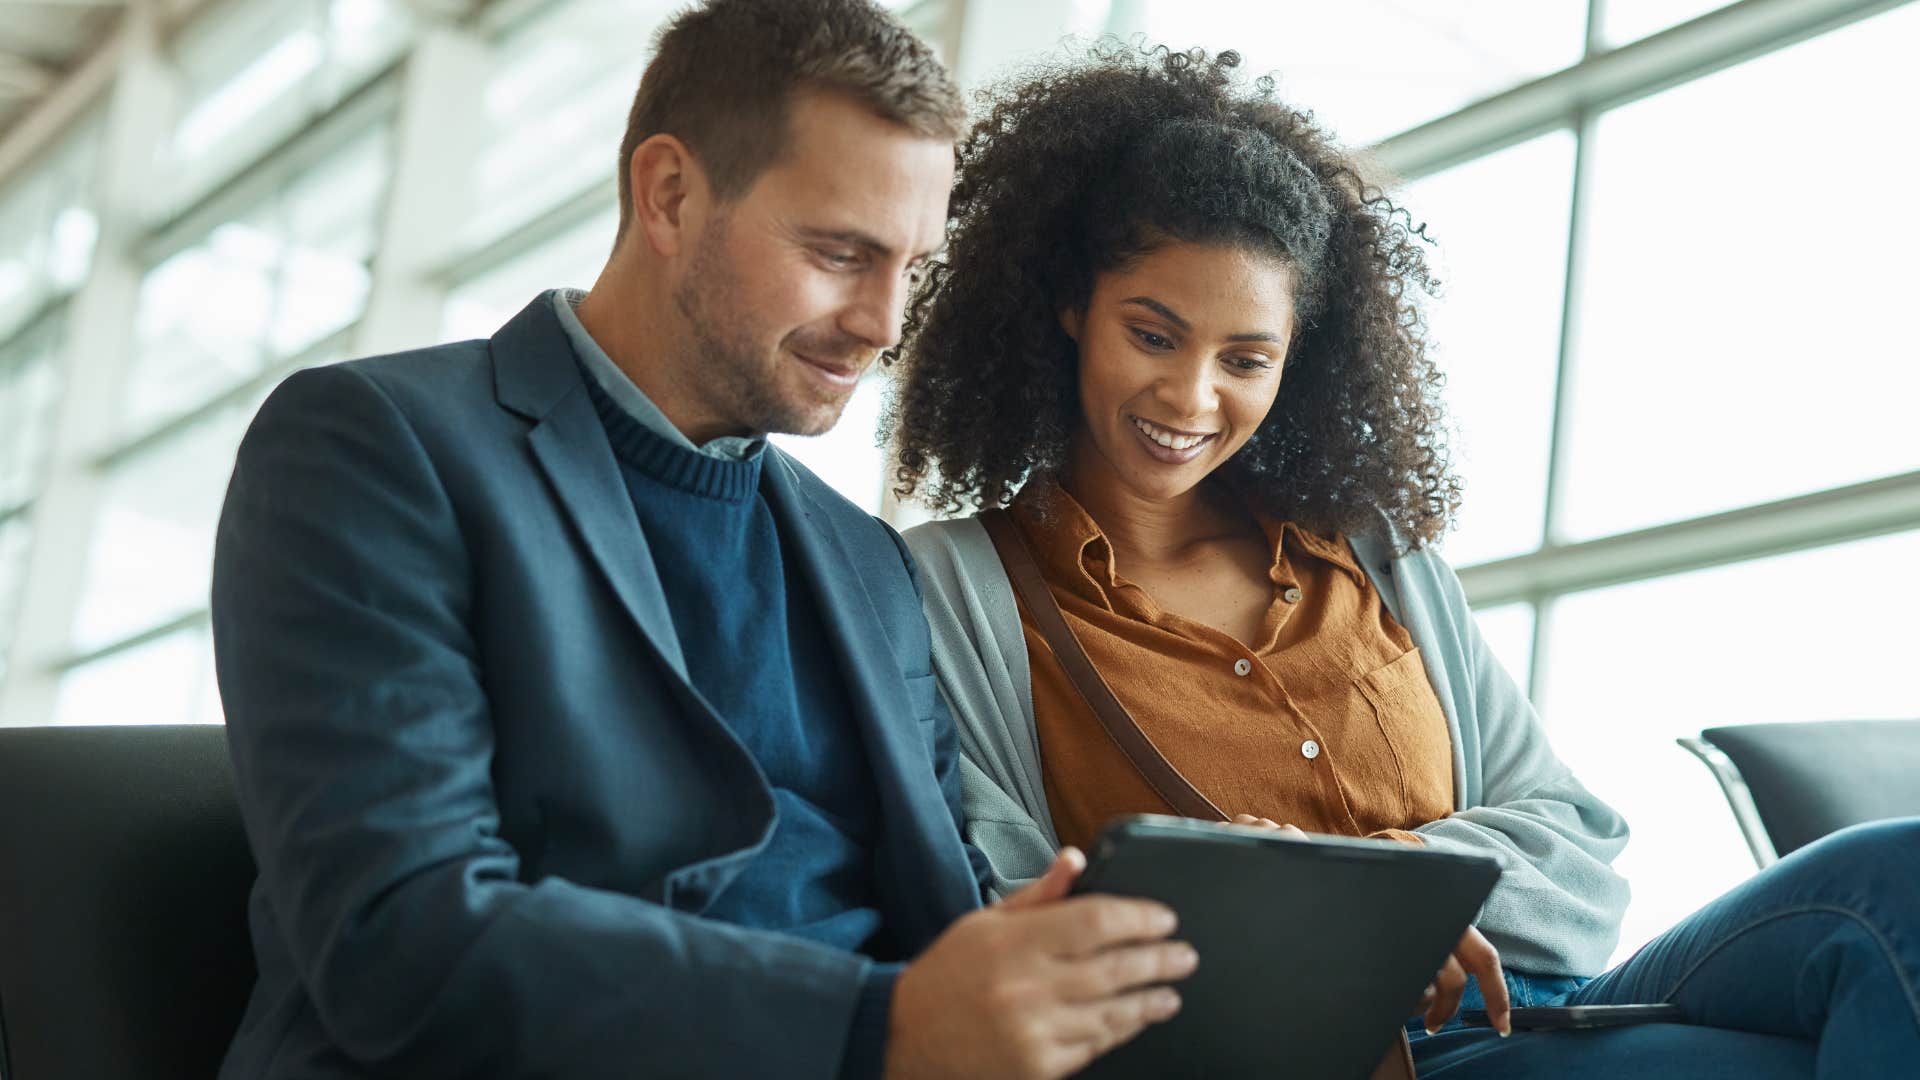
1559,902
980,660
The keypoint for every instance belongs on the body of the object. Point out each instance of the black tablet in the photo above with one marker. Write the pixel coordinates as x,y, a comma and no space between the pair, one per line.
1313,953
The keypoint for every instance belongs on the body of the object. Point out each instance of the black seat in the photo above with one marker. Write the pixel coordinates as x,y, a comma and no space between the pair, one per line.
124,876
1791,784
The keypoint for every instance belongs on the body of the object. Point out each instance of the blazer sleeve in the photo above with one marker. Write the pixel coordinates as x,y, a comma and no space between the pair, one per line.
1558,905
358,720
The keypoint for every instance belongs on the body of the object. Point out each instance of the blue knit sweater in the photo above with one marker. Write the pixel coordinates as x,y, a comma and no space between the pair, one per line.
756,651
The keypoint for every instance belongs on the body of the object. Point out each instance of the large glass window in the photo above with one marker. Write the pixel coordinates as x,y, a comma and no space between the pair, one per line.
253,71
557,106
29,385
482,304
168,680
150,557
1372,68
274,286
1500,224
48,229
1508,629
13,575
267,285
1806,636
1744,323
1623,21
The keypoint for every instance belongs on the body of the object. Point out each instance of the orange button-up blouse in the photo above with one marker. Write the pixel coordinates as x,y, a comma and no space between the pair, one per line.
1327,722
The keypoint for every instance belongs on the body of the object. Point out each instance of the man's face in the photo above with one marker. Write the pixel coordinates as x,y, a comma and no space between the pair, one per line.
794,289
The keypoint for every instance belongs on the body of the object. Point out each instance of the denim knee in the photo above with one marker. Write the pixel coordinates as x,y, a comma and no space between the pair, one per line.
1882,844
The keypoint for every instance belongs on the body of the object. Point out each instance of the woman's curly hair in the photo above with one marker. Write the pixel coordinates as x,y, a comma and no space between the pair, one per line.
1080,166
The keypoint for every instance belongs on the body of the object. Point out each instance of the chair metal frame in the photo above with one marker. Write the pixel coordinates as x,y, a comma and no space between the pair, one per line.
1739,797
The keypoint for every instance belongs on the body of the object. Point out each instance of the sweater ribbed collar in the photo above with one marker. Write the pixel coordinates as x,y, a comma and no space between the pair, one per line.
677,465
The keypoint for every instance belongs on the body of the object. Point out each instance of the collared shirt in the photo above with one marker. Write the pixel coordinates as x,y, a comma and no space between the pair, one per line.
630,398
1327,721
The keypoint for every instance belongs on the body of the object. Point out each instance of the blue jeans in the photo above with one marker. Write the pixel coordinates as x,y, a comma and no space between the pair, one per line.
1809,969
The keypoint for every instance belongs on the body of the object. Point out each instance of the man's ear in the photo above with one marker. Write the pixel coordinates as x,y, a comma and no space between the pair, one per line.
1073,320
669,193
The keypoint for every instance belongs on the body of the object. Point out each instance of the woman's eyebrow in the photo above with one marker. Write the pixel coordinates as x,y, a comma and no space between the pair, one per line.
1159,309
1173,317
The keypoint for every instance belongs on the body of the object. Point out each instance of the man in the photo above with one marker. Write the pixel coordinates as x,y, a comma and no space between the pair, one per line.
577,731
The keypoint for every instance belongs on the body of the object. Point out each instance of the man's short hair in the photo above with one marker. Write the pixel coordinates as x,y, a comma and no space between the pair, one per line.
725,73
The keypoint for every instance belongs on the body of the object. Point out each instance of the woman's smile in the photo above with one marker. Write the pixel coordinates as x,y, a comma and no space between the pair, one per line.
1170,445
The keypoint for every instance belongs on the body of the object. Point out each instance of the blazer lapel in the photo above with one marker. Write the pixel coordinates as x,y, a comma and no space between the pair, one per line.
874,685
921,864
572,450
536,375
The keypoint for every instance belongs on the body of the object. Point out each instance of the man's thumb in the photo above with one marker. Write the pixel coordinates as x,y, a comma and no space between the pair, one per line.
1052,885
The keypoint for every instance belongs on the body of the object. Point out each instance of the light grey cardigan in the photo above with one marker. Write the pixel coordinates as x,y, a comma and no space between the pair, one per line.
1557,908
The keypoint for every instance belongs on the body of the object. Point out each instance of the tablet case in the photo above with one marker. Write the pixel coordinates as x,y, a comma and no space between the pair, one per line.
1313,953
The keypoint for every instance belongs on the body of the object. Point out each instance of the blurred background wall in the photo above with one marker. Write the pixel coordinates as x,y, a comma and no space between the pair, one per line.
1673,234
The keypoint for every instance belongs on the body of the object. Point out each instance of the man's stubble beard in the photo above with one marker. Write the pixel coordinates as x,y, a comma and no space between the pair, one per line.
738,378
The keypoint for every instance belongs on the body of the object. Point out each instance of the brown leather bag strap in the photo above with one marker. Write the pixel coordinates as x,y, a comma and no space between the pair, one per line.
1024,571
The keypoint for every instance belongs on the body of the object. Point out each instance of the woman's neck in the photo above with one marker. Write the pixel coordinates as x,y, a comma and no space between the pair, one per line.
1140,528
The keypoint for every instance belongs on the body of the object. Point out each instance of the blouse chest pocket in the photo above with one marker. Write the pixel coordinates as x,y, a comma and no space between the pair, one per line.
1415,728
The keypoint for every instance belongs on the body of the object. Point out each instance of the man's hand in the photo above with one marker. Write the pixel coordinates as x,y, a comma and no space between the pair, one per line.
1036,986
1475,956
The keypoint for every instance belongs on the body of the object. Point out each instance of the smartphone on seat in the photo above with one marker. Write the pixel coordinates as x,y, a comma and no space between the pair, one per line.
1579,1017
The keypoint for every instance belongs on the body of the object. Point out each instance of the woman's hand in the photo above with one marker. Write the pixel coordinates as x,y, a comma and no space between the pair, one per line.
1268,823
1475,956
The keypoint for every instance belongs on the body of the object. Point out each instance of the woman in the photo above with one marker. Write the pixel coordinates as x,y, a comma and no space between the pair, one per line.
1177,335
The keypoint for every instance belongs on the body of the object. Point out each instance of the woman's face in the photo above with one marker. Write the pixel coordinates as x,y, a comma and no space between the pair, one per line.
1180,359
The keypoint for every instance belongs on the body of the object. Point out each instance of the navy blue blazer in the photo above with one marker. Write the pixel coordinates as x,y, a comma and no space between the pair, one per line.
487,805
